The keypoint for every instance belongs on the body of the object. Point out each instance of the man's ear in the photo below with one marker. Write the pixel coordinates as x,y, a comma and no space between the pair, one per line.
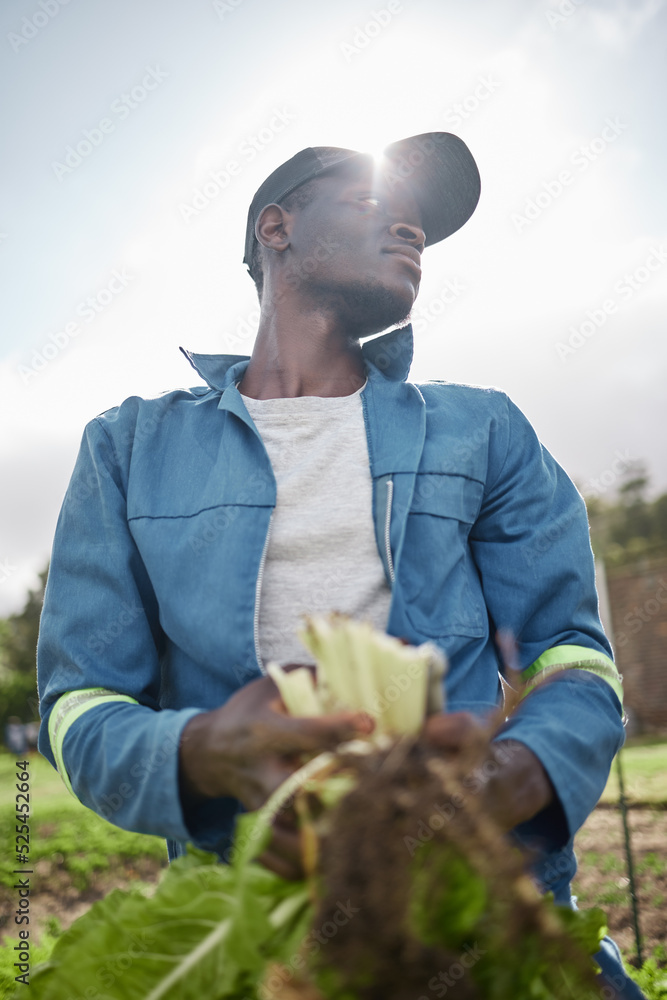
273,227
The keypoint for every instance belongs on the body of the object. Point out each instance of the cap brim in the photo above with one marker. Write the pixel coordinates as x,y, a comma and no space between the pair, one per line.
437,167
442,175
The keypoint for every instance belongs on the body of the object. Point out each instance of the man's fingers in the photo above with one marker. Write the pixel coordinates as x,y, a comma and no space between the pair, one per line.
452,730
286,842
286,735
277,864
283,855
336,727
286,817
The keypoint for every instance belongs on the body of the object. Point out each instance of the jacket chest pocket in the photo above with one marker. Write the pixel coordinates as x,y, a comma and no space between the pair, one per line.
437,572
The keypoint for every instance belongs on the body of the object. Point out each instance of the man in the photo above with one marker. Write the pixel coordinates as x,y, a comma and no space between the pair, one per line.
200,525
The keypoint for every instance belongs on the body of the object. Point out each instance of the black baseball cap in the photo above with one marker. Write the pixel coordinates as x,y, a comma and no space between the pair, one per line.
438,167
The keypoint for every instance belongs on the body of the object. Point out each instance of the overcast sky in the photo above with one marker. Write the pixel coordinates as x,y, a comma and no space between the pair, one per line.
118,243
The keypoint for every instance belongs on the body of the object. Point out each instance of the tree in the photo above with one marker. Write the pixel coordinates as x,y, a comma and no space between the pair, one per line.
629,527
18,658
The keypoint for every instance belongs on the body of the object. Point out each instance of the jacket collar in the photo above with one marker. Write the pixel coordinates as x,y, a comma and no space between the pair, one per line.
389,355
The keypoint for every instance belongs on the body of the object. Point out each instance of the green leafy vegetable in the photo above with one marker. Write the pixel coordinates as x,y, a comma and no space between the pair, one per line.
208,931
360,668
395,899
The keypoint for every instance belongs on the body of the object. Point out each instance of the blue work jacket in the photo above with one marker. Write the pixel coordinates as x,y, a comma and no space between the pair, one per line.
151,607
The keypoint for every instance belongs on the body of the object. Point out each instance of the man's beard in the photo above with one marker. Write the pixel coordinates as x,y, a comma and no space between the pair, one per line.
364,307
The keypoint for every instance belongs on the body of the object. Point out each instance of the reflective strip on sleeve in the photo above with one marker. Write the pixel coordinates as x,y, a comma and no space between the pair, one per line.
67,710
561,658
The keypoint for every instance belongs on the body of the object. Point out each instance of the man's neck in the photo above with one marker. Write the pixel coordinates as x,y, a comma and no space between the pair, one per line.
301,352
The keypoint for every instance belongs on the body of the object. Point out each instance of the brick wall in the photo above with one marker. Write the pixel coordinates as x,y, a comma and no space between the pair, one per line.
638,605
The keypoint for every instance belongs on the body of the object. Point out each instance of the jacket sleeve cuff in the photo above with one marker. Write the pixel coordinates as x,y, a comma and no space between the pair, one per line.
122,762
573,725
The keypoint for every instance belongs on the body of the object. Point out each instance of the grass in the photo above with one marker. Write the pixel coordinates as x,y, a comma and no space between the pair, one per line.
45,784
653,864
75,839
644,775
610,863
64,836
644,772
74,844
651,978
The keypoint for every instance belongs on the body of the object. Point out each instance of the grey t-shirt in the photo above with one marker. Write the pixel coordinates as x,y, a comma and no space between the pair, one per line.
322,555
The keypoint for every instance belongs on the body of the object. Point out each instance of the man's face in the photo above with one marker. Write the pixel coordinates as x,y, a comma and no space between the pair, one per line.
355,249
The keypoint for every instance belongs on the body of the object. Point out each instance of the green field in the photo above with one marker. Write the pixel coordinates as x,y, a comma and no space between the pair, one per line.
69,841
77,856
64,835
644,775
45,784
644,771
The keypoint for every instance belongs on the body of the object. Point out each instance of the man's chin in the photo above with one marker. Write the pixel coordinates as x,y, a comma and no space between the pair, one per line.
367,308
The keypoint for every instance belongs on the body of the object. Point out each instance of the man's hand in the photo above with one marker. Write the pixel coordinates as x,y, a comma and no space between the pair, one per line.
512,783
248,747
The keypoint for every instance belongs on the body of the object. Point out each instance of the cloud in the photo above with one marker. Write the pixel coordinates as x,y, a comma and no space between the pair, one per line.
618,25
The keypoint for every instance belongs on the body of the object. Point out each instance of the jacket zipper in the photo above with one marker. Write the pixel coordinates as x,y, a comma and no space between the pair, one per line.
258,591
387,527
